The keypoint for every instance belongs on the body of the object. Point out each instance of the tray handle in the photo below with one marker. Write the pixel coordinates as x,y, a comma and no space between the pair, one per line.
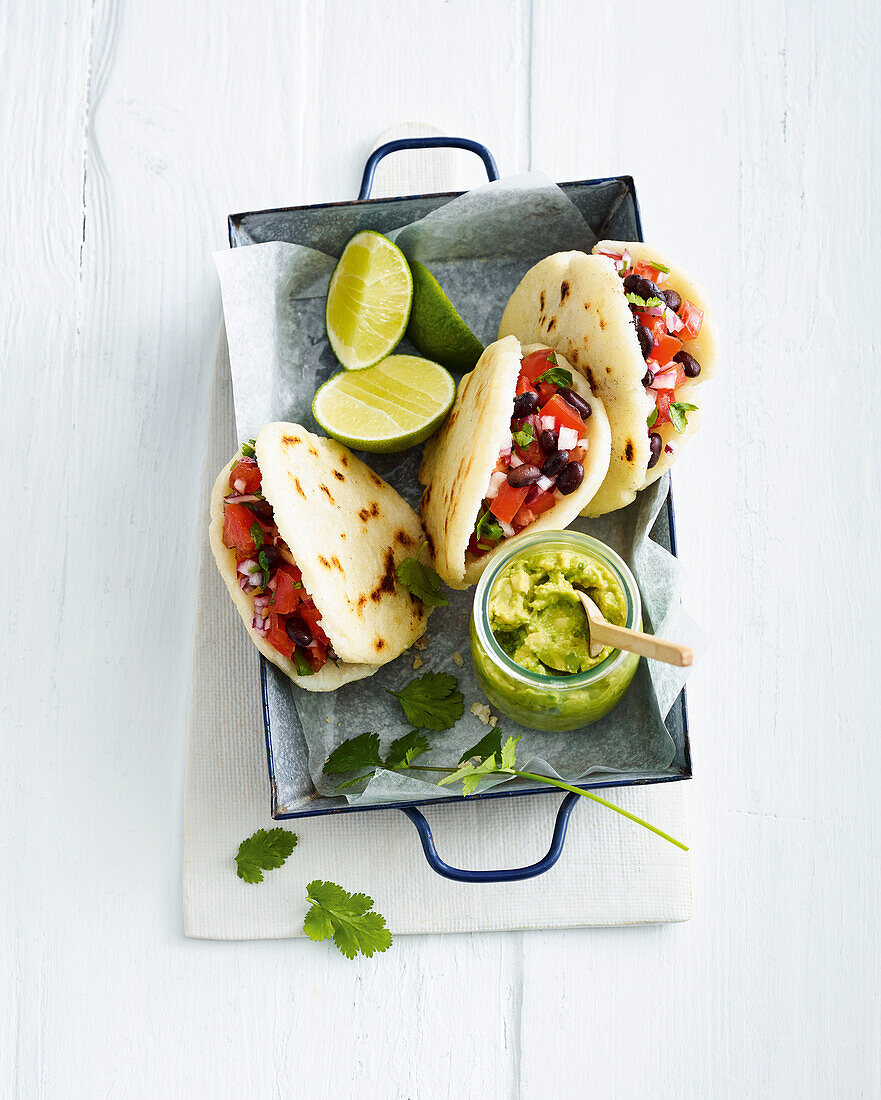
424,143
505,874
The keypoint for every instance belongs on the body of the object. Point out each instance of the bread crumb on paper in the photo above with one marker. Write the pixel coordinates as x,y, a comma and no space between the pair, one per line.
421,643
458,659
417,662
482,712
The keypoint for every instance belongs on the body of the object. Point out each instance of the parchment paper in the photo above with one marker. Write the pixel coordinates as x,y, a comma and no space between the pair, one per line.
478,246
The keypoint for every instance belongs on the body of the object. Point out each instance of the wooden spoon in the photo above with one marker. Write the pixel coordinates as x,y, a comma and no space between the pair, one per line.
603,633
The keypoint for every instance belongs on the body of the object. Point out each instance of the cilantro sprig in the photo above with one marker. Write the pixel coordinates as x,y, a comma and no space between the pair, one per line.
421,580
490,756
652,417
348,919
263,851
432,701
558,376
678,416
248,448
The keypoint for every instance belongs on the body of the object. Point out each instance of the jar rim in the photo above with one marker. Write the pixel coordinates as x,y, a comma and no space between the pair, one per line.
571,540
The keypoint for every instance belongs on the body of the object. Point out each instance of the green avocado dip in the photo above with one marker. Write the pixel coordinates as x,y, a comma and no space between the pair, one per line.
537,618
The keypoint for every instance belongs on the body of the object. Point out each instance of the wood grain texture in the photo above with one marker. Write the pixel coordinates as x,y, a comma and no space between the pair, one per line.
134,129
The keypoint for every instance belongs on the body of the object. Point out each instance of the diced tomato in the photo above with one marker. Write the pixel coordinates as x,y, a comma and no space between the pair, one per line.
656,325
546,391
563,414
665,349
577,454
287,594
507,502
311,616
246,470
692,318
523,384
663,400
535,364
532,454
316,657
277,636
646,271
237,523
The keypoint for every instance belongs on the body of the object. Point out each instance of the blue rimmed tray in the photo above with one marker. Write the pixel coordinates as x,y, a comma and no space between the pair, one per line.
610,207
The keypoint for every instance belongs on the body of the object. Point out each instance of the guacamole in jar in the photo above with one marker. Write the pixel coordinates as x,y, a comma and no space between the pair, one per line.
537,618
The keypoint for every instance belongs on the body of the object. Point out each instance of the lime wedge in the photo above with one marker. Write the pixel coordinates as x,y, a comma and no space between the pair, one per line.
368,300
388,407
435,326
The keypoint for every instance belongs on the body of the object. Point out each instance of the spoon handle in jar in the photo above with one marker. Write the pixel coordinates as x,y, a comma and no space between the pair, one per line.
646,645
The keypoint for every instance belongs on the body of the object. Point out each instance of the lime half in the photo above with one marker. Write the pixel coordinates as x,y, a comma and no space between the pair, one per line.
388,407
368,300
435,326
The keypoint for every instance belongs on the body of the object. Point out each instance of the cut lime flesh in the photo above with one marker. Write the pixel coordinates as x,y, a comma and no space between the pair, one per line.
368,300
436,328
389,407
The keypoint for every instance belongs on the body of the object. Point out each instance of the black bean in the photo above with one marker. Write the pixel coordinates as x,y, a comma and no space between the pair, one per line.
690,366
574,401
648,378
273,556
263,509
298,632
673,299
646,289
630,284
570,478
655,444
525,403
554,463
549,440
646,340
520,476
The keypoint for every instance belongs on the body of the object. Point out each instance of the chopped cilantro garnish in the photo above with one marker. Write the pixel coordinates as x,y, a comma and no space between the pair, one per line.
303,666
421,580
248,449
677,414
659,267
524,437
643,303
257,535
557,376
487,527
652,417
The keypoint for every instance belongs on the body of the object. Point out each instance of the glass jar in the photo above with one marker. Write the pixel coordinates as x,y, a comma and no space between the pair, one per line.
535,700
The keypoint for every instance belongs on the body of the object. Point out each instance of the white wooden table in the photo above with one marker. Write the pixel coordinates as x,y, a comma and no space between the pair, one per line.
129,131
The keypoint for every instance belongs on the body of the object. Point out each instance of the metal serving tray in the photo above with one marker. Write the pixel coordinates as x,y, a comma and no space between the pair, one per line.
610,207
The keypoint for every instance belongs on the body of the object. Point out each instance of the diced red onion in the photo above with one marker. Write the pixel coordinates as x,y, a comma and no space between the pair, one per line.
546,483
241,498
248,567
547,423
672,320
506,449
664,380
239,485
653,311
668,448
515,460
584,443
568,438
260,625
496,481
506,527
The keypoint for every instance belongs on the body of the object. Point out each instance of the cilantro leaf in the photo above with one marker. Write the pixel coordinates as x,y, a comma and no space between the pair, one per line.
471,774
263,851
248,449
264,566
349,919
403,751
652,417
524,437
303,666
357,752
257,535
508,755
486,746
421,580
677,414
558,376
487,527
352,782
643,303
432,701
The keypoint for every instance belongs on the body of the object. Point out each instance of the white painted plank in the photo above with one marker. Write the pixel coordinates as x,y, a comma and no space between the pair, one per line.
750,138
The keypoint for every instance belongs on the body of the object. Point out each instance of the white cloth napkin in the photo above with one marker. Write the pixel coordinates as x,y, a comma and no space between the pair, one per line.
611,871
